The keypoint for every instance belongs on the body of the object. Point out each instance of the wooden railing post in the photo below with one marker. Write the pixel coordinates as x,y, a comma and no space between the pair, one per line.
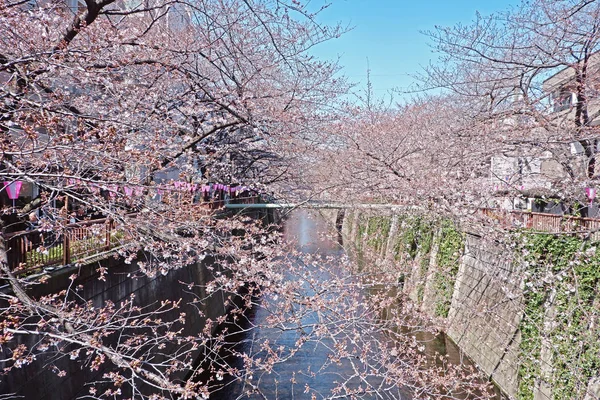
21,256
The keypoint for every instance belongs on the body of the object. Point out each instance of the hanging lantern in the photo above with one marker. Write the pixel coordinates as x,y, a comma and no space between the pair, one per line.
13,189
591,194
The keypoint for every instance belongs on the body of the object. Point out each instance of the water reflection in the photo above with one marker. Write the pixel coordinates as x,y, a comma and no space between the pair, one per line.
303,366
310,233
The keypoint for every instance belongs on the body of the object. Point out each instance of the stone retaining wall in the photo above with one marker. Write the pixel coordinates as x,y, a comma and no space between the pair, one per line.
473,287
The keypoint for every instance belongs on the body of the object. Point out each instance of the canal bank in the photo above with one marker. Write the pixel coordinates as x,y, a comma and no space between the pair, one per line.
130,308
313,351
524,308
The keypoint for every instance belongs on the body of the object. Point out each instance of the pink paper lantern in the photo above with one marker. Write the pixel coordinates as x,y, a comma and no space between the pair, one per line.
591,194
13,189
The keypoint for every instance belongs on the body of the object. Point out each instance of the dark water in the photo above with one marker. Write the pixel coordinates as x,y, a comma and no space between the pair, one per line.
308,372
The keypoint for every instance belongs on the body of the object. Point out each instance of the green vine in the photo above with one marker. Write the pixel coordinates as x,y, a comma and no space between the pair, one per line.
378,231
414,243
415,237
564,272
451,245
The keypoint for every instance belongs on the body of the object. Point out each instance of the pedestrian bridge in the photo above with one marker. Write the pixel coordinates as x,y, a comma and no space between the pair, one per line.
287,205
309,204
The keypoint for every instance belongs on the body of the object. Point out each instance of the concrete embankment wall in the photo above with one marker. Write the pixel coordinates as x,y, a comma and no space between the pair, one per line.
509,307
39,380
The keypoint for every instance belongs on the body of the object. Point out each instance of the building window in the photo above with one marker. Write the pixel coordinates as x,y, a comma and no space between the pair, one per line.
563,99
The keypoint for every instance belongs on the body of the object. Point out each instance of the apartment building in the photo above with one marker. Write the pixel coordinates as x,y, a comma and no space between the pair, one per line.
568,157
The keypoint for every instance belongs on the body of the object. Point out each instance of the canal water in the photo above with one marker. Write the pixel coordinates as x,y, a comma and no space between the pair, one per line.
313,353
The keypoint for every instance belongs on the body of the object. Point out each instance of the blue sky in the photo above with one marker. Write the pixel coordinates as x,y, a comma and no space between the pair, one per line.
387,32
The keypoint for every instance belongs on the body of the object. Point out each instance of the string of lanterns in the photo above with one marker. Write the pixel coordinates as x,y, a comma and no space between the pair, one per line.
176,186
13,188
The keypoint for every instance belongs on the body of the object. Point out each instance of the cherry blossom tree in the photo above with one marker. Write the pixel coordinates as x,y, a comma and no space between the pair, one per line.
110,103
106,104
425,154
531,73
519,84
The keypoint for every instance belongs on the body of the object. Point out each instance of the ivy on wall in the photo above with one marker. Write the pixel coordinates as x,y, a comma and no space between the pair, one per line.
562,272
372,233
450,248
360,231
414,237
378,231
425,244
414,241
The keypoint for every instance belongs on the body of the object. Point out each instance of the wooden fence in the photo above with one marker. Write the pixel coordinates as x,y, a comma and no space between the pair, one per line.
28,251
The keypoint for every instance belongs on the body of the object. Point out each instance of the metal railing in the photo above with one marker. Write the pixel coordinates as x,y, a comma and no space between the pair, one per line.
544,222
31,250
28,251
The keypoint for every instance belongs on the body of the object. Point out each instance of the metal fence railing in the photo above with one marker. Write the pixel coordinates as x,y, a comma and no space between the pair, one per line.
32,250
28,251
545,222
